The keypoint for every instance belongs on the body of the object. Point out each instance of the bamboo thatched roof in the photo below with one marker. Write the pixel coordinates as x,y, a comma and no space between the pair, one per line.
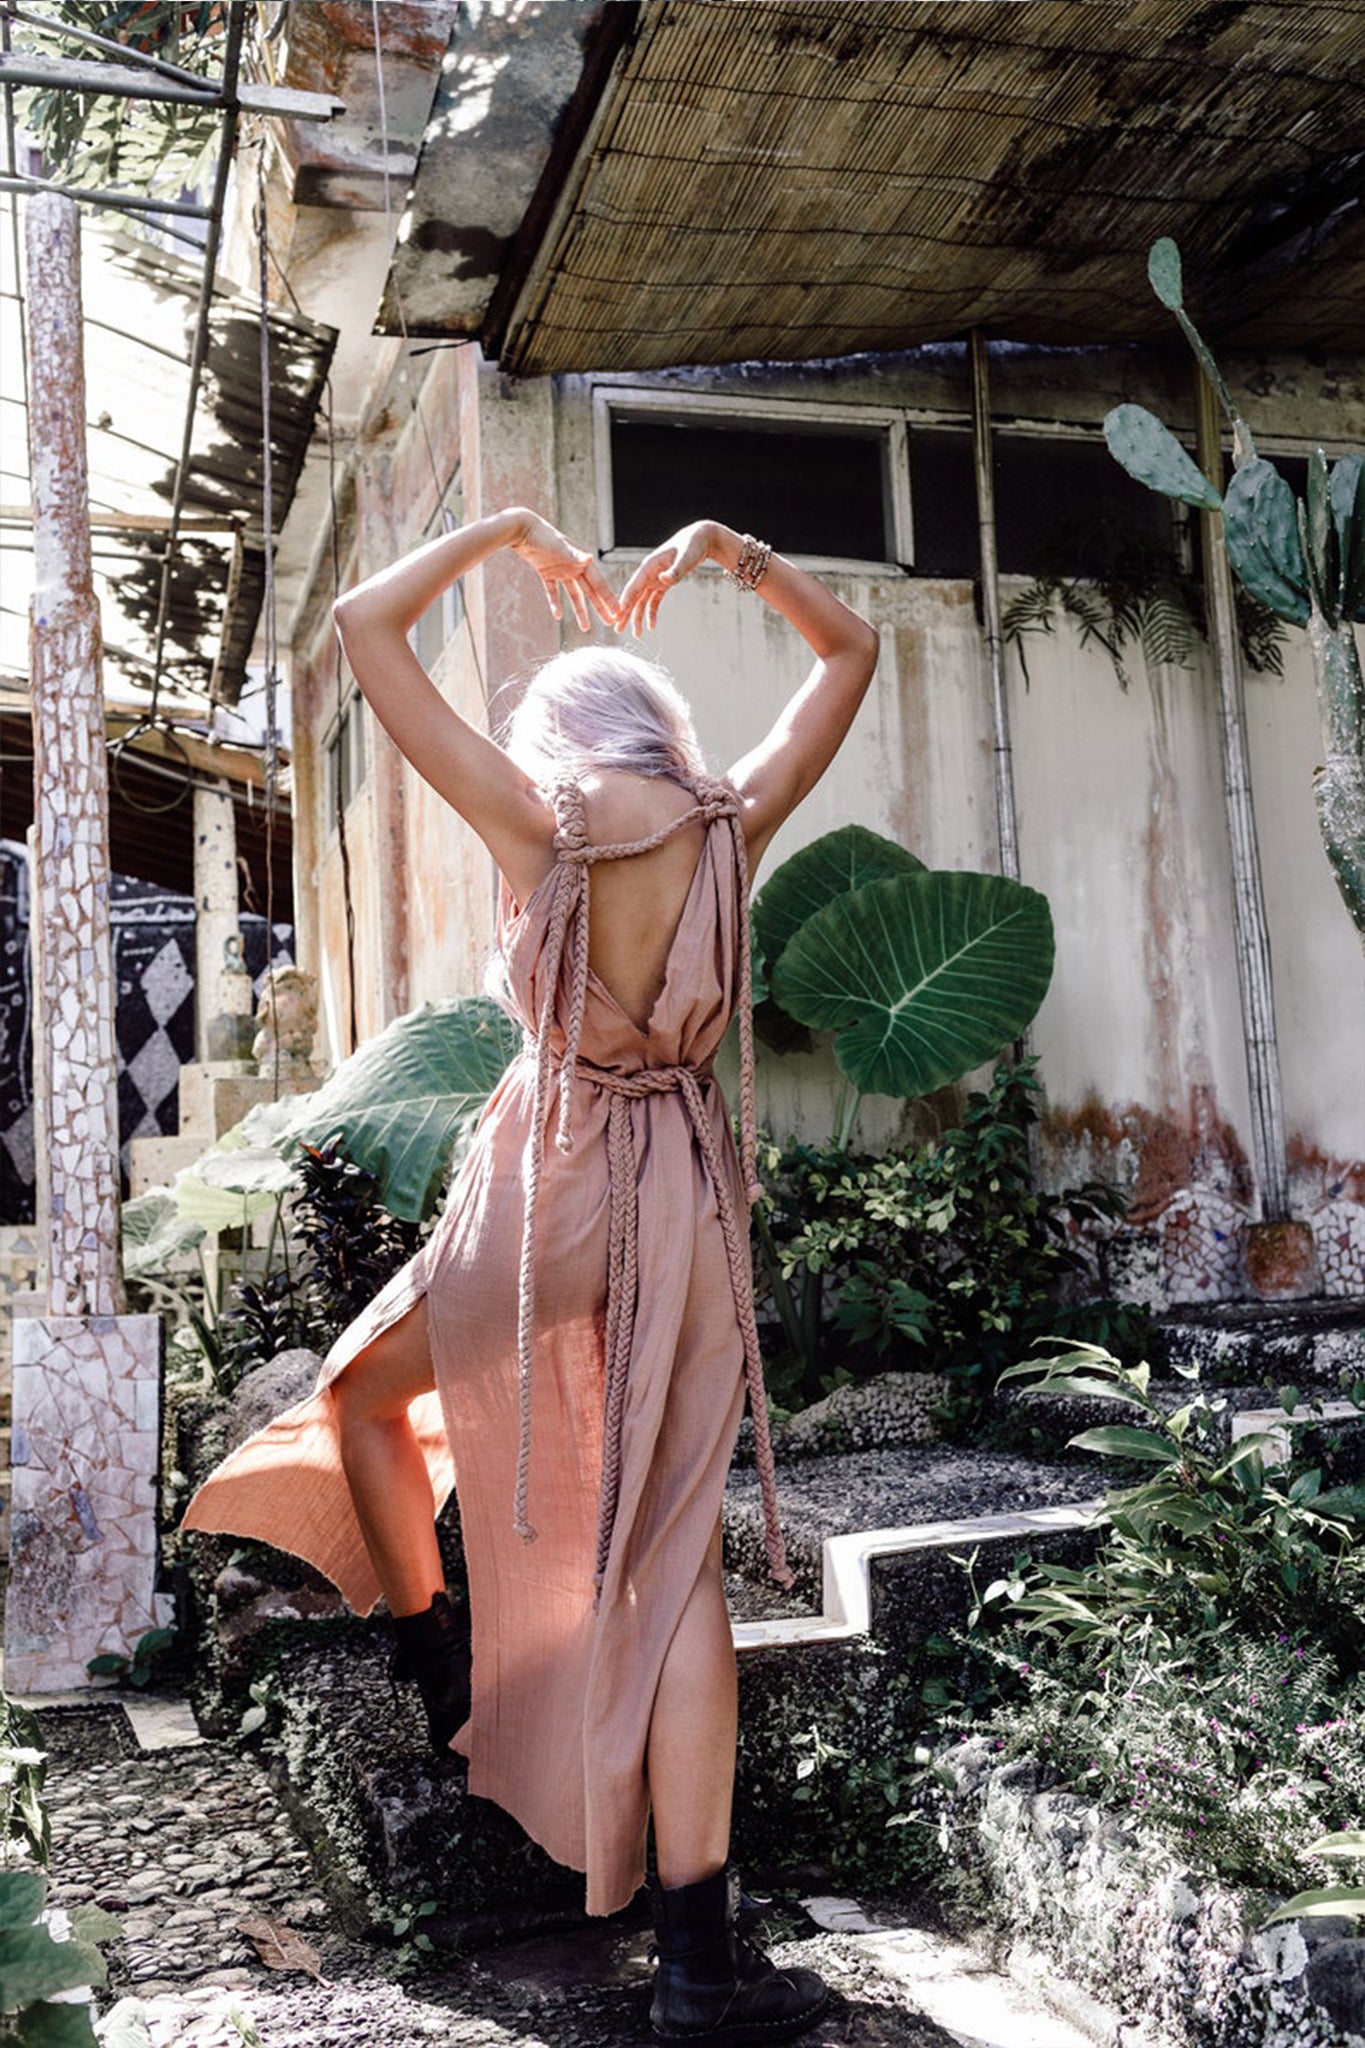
789,179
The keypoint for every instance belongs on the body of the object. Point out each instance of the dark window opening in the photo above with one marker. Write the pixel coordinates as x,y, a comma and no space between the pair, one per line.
345,759
807,489
1062,507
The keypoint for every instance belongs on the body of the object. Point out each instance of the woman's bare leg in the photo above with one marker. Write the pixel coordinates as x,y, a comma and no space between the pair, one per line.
690,1758
383,1461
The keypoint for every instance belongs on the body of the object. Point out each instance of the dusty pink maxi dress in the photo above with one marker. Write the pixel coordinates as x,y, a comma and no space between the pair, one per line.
591,1330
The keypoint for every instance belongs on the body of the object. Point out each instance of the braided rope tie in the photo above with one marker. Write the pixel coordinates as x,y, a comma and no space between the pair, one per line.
568,925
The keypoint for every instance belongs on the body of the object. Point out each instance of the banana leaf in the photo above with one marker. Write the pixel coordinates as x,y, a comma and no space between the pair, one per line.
406,1103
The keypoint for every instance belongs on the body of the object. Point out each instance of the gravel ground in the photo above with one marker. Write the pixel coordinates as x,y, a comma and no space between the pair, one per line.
181,1844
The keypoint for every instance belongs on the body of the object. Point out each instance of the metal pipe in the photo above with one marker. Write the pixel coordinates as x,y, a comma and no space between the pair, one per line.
68,74
1248,899
226,150
1006,824
119,202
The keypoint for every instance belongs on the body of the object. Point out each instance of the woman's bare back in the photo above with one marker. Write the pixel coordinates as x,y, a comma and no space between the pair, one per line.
636,903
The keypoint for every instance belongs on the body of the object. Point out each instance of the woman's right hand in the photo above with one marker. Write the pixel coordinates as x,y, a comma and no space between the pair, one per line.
563,569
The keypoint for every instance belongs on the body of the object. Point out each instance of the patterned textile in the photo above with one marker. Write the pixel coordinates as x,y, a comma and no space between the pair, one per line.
153,940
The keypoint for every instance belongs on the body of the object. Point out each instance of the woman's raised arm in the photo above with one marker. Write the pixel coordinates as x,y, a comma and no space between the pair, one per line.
461,763
786,765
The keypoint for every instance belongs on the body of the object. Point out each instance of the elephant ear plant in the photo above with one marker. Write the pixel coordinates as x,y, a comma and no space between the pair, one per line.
920,977
1305,559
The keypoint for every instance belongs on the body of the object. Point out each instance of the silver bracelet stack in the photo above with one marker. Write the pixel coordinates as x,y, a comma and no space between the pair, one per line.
752,565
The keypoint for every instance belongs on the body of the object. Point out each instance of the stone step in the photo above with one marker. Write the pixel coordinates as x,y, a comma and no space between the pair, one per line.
1047,1422
842,1654
1311,1344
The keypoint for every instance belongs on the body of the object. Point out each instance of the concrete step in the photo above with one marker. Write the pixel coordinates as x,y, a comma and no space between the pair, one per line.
1310,1344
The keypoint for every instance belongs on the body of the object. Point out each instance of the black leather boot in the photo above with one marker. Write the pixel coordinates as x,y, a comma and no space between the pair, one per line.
713,1985
433,1651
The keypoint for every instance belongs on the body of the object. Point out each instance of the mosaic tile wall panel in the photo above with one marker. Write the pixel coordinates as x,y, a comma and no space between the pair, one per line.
84,1474
152,931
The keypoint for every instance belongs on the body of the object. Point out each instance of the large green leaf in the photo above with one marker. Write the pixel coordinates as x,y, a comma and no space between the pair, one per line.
923,976
830,866
1117,1441
155,1233
407,1101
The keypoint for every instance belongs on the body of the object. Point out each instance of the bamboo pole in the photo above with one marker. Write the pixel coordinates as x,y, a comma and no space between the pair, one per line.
1252,937
1005,818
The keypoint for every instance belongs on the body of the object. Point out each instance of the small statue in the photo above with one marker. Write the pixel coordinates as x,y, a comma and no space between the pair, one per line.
229,1027
288,1018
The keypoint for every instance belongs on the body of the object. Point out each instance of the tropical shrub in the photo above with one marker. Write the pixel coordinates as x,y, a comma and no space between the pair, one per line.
1217,1537
1205,1674
948,1258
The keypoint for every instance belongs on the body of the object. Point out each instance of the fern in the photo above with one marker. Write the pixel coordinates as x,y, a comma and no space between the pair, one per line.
1141,594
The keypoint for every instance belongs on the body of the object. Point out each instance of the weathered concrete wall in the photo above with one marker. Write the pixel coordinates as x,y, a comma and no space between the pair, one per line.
1119,794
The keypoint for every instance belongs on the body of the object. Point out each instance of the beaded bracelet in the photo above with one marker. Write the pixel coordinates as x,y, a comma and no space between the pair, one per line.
752,565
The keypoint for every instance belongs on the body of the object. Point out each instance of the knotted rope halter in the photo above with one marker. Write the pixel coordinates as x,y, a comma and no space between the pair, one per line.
568,928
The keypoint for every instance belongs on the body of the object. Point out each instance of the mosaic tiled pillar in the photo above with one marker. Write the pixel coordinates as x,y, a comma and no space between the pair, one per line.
71,790
83,1495
86,1377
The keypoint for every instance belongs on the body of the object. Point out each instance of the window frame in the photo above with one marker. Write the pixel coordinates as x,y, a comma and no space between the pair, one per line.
353,713
609,400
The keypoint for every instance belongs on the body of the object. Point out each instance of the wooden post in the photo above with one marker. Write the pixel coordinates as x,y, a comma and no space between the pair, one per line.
1005,816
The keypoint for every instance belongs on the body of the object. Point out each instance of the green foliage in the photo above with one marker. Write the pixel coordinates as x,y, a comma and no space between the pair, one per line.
415,1945
1334,1899
137,1672
1306,561
1150,452
831,866
23,1767
1234,1751
921,977
43,1951
97,140
1261,533
857,1791
1140,594
1214,1538
404,1106
947,1258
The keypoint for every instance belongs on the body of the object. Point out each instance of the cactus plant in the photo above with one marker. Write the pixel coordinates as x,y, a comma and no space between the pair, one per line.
1305,559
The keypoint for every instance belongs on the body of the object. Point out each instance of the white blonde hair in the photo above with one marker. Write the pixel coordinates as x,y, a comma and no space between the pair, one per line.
602,707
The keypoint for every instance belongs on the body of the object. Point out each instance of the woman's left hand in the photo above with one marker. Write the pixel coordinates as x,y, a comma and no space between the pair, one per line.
660,572
564,570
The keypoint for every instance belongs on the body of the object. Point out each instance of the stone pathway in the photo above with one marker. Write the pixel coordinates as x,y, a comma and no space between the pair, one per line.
183,1842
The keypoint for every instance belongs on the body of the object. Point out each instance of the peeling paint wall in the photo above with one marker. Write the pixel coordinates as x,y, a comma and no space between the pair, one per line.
1119,794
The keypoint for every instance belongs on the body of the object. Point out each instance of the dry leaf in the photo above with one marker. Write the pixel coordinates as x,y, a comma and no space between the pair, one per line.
281,1948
